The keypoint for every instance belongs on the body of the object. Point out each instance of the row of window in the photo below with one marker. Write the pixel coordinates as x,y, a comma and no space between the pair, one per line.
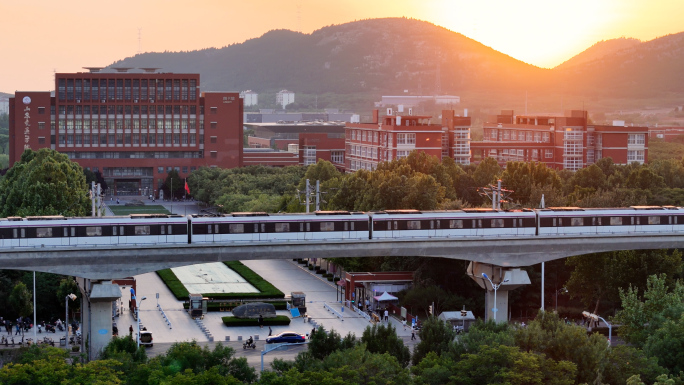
126,89
453,224
92,231
521,136
278,227
128,123
139,139
612,221
117,109
134,154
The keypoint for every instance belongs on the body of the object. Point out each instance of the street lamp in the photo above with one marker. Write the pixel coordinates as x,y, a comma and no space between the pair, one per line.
72,297
496,287
137,316
595,317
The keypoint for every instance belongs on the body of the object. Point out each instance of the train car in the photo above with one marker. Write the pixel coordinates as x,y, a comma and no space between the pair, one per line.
635,219
123,230
256,227
453,223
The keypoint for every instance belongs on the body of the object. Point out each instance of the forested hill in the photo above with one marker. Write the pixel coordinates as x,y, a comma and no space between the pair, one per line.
387,56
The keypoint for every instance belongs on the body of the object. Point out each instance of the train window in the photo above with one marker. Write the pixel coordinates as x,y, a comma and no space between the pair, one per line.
456,224
66,231
142,230
554,222
432,224
14,233
282,227
576,221
438,225
301,226
238,228
163,230
615,221
169,229
479,223
73,231
352,226
669,220
497,222
42,232
396,225
520,222
413,225
263,227
93,231
114,230
308,226
23,233
346,226
208,229
327,226
389,225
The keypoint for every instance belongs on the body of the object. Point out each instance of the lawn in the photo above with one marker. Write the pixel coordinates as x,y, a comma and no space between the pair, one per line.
147,209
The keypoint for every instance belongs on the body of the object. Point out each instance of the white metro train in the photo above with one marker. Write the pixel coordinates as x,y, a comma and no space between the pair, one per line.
55,231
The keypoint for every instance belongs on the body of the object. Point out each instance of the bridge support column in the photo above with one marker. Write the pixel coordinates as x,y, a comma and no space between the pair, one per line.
97,314
504,279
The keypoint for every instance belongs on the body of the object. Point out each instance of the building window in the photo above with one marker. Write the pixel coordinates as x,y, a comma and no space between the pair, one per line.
406,138
403,154
212,139
213,125
548,154
41,140
213,154
635,156
41,125
337,156
213,110
636,139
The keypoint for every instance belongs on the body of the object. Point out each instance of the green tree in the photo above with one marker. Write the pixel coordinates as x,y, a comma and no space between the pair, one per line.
521,177
486,172
435,336
173,185
482,334
597,277
625,361
322,343
68,286
21,300
44,182
384,339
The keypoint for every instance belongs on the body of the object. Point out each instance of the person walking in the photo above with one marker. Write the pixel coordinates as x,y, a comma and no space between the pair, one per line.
130,331
403,322
386,315
261,321
413,333
270,332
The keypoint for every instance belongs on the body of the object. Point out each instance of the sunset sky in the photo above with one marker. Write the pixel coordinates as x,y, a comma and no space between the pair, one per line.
44,36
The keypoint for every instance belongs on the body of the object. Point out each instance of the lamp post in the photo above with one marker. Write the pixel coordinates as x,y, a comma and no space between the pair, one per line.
72,297
137,316
496,287
595,317
561,290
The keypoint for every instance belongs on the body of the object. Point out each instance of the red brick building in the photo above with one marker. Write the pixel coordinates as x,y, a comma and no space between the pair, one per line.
132,125
394,136
562,142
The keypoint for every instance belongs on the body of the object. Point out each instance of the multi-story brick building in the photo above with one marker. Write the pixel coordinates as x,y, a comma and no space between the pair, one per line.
562,142
394,136
133,126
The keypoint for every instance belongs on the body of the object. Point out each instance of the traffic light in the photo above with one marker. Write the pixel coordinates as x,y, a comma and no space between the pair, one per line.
430,309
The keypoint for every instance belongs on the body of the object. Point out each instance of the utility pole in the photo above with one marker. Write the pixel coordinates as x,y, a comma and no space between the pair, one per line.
497,194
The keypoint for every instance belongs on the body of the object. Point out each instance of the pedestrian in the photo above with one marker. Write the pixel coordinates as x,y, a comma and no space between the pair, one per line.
18,328
312,333
270,332
386,315
261,321
403,322
130,331
8,327
413,333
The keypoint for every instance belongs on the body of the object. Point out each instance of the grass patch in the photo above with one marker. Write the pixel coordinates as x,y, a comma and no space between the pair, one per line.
126,210
266,289
280,320
174,284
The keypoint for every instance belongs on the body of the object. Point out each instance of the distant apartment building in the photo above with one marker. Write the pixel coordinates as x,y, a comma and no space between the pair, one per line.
132,125
285,97
271,116
250,98
395,135
562,142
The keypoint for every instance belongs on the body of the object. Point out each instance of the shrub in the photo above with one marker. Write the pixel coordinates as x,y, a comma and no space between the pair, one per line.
280,320
311,267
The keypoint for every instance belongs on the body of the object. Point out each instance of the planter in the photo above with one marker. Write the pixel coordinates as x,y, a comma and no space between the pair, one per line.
75,349
311,267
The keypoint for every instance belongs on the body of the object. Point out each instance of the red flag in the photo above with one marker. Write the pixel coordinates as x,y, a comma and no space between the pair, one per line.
187,189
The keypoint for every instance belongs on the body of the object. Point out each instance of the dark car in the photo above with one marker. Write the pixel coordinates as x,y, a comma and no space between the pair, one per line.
286,337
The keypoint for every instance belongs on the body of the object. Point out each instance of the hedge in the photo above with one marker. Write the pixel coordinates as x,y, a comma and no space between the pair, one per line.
217,306
174,284
266,289
275,321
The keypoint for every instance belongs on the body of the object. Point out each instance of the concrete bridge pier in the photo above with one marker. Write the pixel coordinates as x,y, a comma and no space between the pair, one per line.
96,305
504,279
